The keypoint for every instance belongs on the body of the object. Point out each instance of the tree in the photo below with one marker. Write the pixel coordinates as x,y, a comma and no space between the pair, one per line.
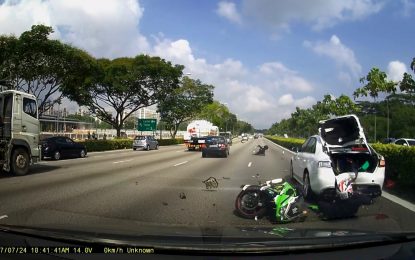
375,82
184,103
216,113
124,85
407,84
130,123
340,106
244,127
45,68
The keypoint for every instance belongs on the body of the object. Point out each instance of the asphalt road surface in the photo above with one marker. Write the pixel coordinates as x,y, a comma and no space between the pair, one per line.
120,190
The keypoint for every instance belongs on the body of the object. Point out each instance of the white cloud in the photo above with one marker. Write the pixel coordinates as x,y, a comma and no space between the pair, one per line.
320,14
285,78
396,69
228,11
305,102
110,28
286,100
253,94
340,53
104,28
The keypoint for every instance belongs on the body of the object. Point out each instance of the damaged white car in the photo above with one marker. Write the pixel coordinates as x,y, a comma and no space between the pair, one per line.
340,147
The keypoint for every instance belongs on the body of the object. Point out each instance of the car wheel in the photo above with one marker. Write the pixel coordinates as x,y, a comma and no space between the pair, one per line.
20,162
82,153
306,186
134,148
203,155
57,155
148,148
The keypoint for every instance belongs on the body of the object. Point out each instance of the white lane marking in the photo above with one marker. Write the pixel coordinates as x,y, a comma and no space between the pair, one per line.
249,164
283,148
177,164
123,161
403,203
4,216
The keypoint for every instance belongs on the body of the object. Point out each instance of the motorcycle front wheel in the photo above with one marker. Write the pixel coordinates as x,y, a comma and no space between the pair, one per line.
250,203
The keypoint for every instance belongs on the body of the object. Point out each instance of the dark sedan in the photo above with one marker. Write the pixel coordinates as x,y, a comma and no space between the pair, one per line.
59,147
216,145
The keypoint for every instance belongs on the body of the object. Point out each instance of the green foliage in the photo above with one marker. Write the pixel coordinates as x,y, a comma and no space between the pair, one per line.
45,68
304,122
288,143
407,84
375,82
163,142
125,85
184,103
106,145
243,127
400,162
401,117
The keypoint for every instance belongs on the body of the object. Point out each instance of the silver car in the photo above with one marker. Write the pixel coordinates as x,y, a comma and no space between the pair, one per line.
339,147
145,142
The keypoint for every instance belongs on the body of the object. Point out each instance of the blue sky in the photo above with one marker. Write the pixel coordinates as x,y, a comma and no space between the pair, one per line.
264,57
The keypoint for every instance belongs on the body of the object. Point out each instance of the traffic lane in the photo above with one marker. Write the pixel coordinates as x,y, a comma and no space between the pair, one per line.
382,210
179,197
78,179
118,197
177,194
79,166
94,157
174,195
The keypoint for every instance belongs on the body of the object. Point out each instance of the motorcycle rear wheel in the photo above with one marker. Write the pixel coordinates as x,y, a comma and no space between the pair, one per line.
250,203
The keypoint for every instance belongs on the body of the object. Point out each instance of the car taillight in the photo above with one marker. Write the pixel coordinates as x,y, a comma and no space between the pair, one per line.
382,162
359,149
222,146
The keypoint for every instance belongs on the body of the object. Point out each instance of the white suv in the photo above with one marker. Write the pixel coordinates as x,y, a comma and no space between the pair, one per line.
341,143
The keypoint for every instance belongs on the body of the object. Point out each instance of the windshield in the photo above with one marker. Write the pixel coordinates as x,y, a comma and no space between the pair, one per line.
172,117
411,142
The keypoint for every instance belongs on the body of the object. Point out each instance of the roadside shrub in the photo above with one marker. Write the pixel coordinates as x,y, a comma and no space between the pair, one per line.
163,142
115,144
105,145
288,143
400,162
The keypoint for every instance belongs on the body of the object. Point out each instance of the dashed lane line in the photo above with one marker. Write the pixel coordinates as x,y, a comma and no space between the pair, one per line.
177,164
123,161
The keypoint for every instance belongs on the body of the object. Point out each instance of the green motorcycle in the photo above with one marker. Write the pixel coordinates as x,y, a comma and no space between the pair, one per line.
277,197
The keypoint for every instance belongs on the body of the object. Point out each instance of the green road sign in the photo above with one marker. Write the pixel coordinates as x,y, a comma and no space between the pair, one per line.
147,124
